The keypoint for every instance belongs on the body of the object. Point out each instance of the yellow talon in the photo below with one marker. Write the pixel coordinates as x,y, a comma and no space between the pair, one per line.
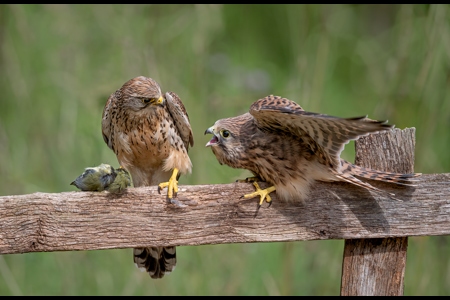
172,184
264,194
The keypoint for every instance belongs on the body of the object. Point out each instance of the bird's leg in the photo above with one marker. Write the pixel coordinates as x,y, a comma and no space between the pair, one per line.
264,194
172,185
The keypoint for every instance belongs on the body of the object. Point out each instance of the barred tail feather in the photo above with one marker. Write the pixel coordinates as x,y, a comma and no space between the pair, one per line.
350,179
398,178
157,261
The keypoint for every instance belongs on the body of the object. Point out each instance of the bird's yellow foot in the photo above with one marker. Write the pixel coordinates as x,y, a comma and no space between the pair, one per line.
264,194
172,185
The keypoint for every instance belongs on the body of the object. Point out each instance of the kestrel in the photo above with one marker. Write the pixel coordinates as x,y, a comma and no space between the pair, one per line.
150,134
290,148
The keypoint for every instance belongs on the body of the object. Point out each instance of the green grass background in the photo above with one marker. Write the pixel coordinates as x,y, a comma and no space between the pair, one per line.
59,64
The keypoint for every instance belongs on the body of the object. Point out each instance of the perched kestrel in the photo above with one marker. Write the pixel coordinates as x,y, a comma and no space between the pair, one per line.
150,134
290,148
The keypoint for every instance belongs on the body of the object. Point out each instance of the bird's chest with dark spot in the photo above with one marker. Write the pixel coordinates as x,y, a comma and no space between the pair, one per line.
148,136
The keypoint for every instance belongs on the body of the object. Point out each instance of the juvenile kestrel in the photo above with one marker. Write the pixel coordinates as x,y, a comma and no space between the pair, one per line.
290,148
150,134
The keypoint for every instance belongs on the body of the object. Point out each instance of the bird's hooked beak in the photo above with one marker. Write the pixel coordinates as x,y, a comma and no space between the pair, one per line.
161,101
214,139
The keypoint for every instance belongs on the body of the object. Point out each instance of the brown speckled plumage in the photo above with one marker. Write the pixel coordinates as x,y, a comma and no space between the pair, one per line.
150,134
290,148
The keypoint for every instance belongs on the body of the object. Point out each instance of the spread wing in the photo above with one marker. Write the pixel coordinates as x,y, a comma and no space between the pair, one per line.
180,117
329,133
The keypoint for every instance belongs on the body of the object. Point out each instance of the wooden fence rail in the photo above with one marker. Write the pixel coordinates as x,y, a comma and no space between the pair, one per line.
214,214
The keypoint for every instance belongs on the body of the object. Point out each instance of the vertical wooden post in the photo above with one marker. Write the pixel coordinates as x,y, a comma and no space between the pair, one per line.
377,266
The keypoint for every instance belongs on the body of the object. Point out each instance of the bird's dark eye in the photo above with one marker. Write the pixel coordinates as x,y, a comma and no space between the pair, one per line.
147,100
225,133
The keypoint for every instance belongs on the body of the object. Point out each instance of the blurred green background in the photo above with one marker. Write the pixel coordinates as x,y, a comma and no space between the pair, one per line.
59,64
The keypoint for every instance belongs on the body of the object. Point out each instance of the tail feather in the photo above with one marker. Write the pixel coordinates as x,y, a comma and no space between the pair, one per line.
350,179
348,172
398,178
157,261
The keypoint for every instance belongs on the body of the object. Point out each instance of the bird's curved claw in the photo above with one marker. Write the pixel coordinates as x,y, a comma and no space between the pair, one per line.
257,209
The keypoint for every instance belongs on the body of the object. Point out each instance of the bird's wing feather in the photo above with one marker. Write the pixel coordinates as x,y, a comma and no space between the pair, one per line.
106,121
180,117
330,133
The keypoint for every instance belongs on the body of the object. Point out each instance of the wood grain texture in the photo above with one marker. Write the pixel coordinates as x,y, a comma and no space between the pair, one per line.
374,267
215,215
377,266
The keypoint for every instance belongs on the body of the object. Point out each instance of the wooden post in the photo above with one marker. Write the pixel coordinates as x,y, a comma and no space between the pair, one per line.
377,266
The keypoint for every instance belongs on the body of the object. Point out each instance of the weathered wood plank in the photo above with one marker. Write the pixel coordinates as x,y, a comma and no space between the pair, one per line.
377,266
374,267
215,215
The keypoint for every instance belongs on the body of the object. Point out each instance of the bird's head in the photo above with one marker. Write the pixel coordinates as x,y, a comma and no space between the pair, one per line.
221,136
141,93
230,137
